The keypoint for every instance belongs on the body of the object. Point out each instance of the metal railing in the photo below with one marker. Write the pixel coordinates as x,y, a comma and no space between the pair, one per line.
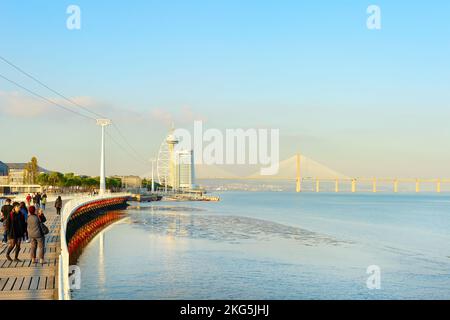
63,266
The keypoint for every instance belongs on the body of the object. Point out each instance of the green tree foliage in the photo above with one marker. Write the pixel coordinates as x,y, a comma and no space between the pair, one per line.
147,183
113,183
43,179
31,172
56,179
70,180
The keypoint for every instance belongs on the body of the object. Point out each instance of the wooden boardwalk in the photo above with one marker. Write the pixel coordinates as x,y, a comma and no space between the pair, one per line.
28,281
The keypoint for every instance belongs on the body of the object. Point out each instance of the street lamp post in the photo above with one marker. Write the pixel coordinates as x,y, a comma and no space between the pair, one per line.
153,175
103,123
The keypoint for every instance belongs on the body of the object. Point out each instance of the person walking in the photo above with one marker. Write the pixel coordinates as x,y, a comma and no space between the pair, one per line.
58,205
5,211
15,230
24,217
37,236
28,200
37,199
43,201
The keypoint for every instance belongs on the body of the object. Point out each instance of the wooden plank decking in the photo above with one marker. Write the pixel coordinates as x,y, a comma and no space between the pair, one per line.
25,280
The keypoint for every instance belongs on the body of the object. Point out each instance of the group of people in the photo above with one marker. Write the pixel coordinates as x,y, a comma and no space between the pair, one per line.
24,221
37,199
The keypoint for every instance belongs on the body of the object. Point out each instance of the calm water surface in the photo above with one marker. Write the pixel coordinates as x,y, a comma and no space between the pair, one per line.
274,246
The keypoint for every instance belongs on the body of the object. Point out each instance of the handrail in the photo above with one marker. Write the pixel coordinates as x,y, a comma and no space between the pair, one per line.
69,208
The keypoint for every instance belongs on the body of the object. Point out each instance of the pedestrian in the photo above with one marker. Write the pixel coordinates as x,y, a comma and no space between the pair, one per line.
15,230
38,200
41,216
5,211
24,217
28,199
33,199
37,236
43,201
58,205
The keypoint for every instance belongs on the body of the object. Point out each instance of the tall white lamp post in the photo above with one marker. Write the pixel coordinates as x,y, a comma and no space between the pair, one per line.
103,123
153,175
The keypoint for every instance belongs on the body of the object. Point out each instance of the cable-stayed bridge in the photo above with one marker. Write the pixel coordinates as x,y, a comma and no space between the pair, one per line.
310,175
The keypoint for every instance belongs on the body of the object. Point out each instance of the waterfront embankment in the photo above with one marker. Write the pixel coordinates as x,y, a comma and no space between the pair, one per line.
30,281
81,218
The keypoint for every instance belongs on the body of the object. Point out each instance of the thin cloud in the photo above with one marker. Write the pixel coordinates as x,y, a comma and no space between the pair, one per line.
16,104
19,105
184,116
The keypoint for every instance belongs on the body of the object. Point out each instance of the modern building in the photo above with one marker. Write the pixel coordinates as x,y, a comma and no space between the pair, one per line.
3,169
172,141
175,166
16,173
3,177
12,178
130,182
185,174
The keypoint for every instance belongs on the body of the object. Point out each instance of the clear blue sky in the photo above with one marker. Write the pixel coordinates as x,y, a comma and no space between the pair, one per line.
364,102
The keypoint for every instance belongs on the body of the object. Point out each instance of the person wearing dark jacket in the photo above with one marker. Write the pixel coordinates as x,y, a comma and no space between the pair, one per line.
24,217
6,210
36,235
58,205
38,198
15,229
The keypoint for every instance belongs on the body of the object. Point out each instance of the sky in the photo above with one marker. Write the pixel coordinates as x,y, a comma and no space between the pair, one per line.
364,102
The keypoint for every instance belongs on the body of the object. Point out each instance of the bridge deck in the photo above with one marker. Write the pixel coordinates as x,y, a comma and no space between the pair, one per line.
25,280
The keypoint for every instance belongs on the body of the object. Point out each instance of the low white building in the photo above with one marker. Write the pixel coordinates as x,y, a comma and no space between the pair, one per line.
12,179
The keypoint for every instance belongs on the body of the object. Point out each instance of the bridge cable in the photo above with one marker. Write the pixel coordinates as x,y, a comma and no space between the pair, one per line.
47,87
46,99
67,99
69,110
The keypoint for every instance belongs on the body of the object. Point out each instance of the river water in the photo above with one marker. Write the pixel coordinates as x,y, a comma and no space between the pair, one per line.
273,245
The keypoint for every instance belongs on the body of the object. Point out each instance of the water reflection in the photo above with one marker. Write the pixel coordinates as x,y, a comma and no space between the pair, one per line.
178,222
272,246
101,259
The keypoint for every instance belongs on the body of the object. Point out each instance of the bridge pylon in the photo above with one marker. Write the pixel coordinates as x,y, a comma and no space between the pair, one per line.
298,187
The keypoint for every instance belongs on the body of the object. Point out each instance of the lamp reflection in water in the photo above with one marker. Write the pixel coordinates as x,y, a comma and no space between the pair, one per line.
101,260
170,233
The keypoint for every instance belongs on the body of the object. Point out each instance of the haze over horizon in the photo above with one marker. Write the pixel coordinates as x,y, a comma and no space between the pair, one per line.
363,102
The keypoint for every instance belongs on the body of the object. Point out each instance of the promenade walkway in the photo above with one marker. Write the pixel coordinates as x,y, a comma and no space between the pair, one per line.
28,281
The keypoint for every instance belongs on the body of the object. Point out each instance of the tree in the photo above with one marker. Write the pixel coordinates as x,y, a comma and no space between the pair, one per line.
34,170
147,183
113,183
56,179
26,174
31,171
43,179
